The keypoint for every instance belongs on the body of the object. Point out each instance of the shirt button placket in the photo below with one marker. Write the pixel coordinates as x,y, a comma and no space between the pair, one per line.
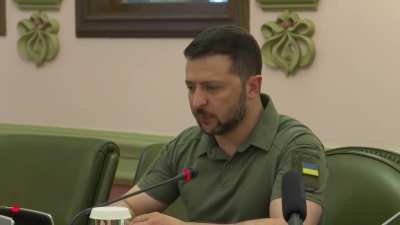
225,172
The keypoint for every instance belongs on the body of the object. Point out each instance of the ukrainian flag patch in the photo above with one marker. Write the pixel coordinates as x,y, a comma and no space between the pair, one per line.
310,169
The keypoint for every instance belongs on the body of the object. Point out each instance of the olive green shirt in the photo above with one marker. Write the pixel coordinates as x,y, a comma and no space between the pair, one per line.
239,188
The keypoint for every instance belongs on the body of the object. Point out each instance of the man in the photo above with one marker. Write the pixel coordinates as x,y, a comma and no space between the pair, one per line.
241,147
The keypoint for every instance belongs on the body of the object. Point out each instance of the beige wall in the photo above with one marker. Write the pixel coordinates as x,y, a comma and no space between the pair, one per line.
349,96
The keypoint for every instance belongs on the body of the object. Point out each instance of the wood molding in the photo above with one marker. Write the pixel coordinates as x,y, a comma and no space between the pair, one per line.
111,18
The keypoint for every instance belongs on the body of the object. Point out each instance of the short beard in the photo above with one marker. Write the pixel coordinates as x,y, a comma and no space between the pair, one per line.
225,127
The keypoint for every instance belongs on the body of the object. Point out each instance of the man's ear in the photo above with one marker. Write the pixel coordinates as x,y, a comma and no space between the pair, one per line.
253,86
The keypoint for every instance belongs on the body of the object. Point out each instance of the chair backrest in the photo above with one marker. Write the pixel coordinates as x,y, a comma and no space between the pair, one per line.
147,156
363,186
56,174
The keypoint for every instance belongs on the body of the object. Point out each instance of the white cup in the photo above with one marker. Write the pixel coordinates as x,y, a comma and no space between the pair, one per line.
110,215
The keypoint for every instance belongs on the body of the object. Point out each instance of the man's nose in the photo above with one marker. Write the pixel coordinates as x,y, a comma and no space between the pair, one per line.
199,98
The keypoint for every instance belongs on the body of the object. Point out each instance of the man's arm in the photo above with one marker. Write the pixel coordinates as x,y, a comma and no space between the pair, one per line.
141,203
314,212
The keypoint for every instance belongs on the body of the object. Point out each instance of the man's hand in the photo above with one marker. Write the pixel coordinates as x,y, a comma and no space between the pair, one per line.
155,219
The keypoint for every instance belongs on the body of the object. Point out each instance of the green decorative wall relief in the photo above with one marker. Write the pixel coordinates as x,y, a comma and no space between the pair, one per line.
288,4
39,40
288,43
39,4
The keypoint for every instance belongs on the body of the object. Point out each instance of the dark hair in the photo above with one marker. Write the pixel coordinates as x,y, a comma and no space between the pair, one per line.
232,41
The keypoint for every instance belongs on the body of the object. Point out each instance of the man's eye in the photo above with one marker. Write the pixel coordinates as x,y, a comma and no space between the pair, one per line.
190,87
212,87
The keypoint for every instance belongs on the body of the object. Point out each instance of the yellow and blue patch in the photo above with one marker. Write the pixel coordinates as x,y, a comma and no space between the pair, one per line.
310,169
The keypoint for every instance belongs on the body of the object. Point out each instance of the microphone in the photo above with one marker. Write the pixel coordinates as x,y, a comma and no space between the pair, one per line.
187,175
293,198
4,220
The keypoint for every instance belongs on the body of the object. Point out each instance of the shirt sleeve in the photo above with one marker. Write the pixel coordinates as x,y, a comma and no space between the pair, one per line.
306,155
160,170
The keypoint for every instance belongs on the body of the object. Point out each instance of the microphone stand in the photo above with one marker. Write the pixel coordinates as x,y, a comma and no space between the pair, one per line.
387,222
176,178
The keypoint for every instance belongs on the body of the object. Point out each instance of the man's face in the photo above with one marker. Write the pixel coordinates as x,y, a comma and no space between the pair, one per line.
217,97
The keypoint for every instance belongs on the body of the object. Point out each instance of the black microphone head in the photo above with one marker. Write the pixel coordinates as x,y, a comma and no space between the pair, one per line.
293,195
194,172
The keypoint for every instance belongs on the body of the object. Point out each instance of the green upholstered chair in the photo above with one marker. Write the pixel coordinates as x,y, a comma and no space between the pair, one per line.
58,175
147,156
363,186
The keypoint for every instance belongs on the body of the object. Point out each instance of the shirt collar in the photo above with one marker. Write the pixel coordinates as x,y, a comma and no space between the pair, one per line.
264,132
208,145
261,137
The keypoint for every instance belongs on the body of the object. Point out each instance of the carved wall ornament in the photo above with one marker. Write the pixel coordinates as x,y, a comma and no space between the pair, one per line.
288,43
39,41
